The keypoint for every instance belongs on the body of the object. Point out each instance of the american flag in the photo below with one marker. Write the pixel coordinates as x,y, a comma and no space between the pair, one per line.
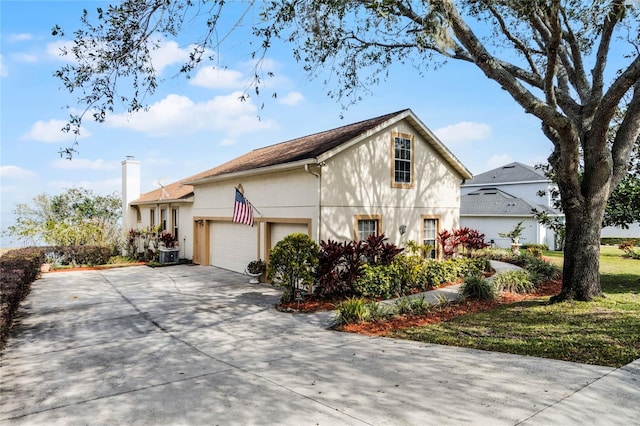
242,210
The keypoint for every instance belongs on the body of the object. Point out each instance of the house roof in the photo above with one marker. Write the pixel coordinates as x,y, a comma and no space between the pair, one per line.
308,149
176,191
494,202
300,151
508,174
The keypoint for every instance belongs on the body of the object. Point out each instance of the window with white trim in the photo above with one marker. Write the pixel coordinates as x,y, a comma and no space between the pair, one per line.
430,232
152,217
367,227
174,221
402,158
163,219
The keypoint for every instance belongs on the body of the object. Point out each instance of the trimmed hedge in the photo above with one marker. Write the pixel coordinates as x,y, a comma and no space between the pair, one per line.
18,269
615,241
82,255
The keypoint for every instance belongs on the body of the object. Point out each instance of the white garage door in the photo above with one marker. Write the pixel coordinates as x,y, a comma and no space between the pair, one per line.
281,230
233,245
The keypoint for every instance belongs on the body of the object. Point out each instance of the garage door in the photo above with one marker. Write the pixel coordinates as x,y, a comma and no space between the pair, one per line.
233,245
281,230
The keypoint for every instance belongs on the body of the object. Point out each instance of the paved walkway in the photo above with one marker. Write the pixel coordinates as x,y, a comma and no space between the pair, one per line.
194,345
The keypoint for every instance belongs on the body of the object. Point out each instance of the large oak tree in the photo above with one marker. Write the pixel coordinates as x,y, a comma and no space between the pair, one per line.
551,56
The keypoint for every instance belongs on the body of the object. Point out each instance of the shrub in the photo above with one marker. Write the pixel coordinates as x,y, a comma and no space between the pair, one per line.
340,264
82,255
472,266
467,238
540,270
291,264
375,281
352,311
629,250
437,273
18,269
379,311
614,241
408,273
378,251
411,306
528,246
478,287
514,282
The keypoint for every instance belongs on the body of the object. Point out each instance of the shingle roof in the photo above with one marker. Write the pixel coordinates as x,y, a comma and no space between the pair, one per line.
176,191
509,173
300,149
494,202
304,148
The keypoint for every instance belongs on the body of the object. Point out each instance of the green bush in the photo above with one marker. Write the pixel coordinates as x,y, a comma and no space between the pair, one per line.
408,273
375,281
411,306
514,282
527,246
83,255
18,269
379,311
540,270
437,273
472,266
291,264
353,310
614,241
478,287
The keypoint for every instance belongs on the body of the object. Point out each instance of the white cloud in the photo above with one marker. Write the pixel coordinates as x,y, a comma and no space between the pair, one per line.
292,98
24,57
85,164
51,132
16,172
167,54
465,131
219,78
177,115
3,69
60,50
12,38
498,160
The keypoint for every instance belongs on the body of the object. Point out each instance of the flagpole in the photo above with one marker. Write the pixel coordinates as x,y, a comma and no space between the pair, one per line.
241,190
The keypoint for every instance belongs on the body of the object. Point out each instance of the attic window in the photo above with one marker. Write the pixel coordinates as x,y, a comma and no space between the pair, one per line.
510,166
402,161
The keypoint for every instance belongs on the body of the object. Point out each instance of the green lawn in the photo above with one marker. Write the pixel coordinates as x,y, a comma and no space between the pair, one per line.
602,332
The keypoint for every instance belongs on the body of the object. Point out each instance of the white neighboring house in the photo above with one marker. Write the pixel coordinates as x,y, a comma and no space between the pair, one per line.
494,202
386,175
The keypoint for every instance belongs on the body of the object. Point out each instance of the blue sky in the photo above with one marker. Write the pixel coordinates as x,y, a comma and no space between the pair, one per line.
196,124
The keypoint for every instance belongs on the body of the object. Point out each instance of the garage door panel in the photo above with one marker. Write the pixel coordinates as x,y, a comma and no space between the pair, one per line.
233,245
281,230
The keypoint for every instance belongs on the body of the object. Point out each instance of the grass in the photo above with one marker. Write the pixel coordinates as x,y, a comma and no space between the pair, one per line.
601,332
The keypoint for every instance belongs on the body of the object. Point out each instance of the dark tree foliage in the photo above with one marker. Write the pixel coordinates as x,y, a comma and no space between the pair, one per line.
550,56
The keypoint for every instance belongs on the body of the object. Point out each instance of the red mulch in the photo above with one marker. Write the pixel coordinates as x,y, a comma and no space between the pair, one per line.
447,312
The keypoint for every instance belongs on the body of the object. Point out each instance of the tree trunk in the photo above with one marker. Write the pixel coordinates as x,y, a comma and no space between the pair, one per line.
581,270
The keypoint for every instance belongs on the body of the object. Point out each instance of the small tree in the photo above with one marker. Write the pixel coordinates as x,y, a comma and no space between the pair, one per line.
292,263
75,217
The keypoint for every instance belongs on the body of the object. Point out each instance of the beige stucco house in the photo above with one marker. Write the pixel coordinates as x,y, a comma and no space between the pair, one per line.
389,174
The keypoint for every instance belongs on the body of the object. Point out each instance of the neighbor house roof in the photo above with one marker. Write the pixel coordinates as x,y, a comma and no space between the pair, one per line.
508,174
309,149
494,202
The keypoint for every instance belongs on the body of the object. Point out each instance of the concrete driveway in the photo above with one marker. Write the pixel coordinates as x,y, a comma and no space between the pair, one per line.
194,345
